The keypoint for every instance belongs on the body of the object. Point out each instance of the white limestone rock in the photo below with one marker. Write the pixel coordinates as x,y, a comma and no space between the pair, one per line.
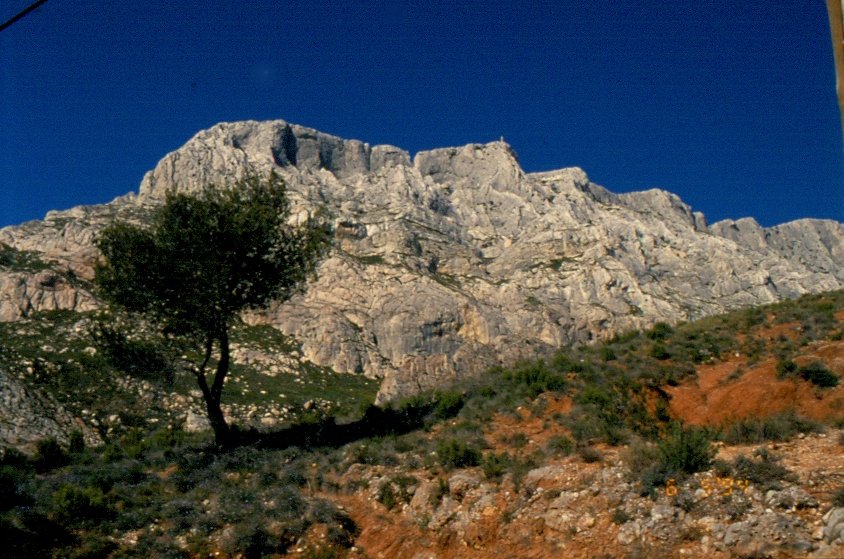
456,259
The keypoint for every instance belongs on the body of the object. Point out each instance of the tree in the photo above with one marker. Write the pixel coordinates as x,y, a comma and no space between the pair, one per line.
204,259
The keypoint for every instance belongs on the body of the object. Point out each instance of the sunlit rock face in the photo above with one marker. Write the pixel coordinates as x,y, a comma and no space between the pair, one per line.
455,259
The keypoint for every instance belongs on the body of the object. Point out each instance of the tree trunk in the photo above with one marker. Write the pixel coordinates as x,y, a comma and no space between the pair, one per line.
222,434
212,395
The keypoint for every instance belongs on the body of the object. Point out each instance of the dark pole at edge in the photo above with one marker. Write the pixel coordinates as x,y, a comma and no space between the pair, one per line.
836,28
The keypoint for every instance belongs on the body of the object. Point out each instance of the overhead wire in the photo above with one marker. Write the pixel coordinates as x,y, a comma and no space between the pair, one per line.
21,15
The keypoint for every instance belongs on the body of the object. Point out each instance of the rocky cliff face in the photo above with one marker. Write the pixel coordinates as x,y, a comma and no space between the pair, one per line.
453,260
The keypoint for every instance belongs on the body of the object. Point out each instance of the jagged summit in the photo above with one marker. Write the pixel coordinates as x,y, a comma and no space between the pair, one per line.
456,259
228,149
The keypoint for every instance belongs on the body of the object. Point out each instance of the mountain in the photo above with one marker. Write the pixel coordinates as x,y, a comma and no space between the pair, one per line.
453,260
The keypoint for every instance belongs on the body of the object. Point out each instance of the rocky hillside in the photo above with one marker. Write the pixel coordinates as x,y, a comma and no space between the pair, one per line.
721,438
453,260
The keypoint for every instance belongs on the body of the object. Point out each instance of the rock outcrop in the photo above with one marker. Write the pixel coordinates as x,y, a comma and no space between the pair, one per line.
30,416
457,259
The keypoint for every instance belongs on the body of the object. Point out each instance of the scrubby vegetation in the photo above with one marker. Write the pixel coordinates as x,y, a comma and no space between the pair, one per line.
777,427
20,260
154,490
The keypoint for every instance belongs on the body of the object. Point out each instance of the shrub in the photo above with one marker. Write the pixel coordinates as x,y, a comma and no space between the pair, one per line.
687,450
654,477
396,491
682,451
659,351
621,516
77,443
585,427
12,487
590,454
640,456
765,471
817,373
516,440
452,453
660,331
387,496
535,378
722,468
448,404
94,547
786,368
373,452
778,427
32,536
49,455
72,504
560,445
496,466
607,354
251,540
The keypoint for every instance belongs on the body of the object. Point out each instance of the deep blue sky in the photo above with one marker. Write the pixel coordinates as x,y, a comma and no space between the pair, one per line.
730,104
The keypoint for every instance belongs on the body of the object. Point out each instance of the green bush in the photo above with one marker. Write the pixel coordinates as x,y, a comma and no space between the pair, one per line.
13,483
660,331
722,468
778,427
420,409
607,354
817,373
585,427
639,457
452,454
659,351
786,368
30,535
764,471
77,443
49,455
448,404
373,451
560,445
535,378
73,505
396,491
655,477
516,440
683,450
252,540
496,466
687,449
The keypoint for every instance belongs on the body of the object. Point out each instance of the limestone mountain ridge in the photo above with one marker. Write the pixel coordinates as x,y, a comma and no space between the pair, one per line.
453,260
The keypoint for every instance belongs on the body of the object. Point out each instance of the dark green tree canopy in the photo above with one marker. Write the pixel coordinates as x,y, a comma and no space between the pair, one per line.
206,257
